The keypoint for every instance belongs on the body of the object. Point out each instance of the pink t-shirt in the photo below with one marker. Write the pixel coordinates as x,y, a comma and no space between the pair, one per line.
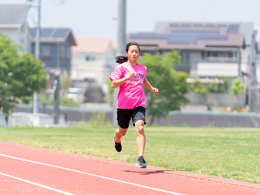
131,93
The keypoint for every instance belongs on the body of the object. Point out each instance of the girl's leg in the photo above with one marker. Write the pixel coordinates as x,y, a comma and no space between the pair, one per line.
120,132
140,141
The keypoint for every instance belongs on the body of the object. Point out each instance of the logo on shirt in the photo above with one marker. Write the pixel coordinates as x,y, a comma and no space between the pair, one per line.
138,75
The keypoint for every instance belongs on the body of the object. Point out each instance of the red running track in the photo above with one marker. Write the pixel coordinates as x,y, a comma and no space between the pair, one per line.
30,170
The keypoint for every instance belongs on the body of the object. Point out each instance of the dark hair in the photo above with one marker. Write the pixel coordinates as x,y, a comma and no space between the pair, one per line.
122,59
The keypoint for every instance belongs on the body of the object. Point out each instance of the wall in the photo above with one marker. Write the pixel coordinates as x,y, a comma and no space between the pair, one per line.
11,33
175,118
215,98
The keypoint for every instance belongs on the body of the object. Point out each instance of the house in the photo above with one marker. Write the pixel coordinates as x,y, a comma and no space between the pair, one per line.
92,63
14,25
208,50
55,50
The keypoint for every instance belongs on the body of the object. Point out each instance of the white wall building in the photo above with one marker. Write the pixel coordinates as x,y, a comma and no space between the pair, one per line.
93,59
13,24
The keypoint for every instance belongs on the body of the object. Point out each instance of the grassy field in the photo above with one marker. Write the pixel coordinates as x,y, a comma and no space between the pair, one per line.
223,152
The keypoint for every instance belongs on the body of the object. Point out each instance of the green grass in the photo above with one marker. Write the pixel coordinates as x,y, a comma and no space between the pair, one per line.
223,152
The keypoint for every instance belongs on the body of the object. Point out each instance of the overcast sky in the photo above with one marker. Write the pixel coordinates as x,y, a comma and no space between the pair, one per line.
93,18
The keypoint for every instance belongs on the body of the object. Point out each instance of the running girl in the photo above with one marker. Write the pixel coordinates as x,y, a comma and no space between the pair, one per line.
130,77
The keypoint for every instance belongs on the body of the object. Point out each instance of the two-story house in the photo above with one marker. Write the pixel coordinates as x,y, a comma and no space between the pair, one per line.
55,50
93,61
208,50
14,25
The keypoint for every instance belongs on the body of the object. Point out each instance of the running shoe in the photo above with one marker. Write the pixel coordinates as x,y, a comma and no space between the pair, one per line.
141,162
118,146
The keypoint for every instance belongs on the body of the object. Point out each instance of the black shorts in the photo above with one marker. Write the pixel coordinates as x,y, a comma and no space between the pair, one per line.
124,116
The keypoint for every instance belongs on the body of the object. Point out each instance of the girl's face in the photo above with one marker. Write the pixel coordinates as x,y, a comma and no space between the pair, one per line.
133,53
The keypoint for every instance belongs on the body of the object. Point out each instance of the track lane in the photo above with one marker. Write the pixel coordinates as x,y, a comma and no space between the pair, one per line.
79,183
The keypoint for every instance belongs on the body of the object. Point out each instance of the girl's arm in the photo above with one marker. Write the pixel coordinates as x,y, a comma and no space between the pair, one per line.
119,82
149,86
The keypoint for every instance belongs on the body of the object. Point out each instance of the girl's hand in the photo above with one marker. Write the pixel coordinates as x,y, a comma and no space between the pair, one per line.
131,73
155,90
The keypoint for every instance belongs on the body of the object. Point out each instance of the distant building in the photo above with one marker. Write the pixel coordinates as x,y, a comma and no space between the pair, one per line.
13,24
93,61
207,49
55,50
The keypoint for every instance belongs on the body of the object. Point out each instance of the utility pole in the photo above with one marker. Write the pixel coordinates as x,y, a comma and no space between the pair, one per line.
37,56
121,41
239,64
56,88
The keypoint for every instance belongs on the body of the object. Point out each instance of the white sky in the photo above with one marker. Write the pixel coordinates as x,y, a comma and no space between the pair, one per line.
93,18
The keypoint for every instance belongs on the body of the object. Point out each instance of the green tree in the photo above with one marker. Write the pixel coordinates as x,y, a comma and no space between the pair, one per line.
64,101
65,82
110,89
198,87
219,87
215,87
172,84
20,75
109,97
237,87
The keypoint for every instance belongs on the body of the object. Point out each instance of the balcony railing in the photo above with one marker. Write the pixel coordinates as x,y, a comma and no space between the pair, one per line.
220,59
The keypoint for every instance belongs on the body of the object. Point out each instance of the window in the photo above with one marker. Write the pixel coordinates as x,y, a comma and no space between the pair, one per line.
45,50
68,52
223,54
90,58
22,28
185,58
62,51
203,54
212,54
230,54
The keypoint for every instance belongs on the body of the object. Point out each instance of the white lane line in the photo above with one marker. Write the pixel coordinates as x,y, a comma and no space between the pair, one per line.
108,178
53,189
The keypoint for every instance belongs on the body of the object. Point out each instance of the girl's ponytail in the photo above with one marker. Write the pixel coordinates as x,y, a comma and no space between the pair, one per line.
121,59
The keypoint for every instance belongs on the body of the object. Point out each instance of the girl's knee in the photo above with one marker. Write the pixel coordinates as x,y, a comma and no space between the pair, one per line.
139,129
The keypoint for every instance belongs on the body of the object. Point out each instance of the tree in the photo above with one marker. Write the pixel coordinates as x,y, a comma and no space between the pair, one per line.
215,87
237,88
198,87
219,87
172,84
65,82
20,75
109,97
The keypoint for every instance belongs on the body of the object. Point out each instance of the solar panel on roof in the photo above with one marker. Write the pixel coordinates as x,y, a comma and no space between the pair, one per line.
221,25
60,32
185,24
148,36
174,24
33,32
183,36
210,25
197,25
233,28
46,32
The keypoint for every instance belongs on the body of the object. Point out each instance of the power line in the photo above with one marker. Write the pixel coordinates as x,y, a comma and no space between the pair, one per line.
208,9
